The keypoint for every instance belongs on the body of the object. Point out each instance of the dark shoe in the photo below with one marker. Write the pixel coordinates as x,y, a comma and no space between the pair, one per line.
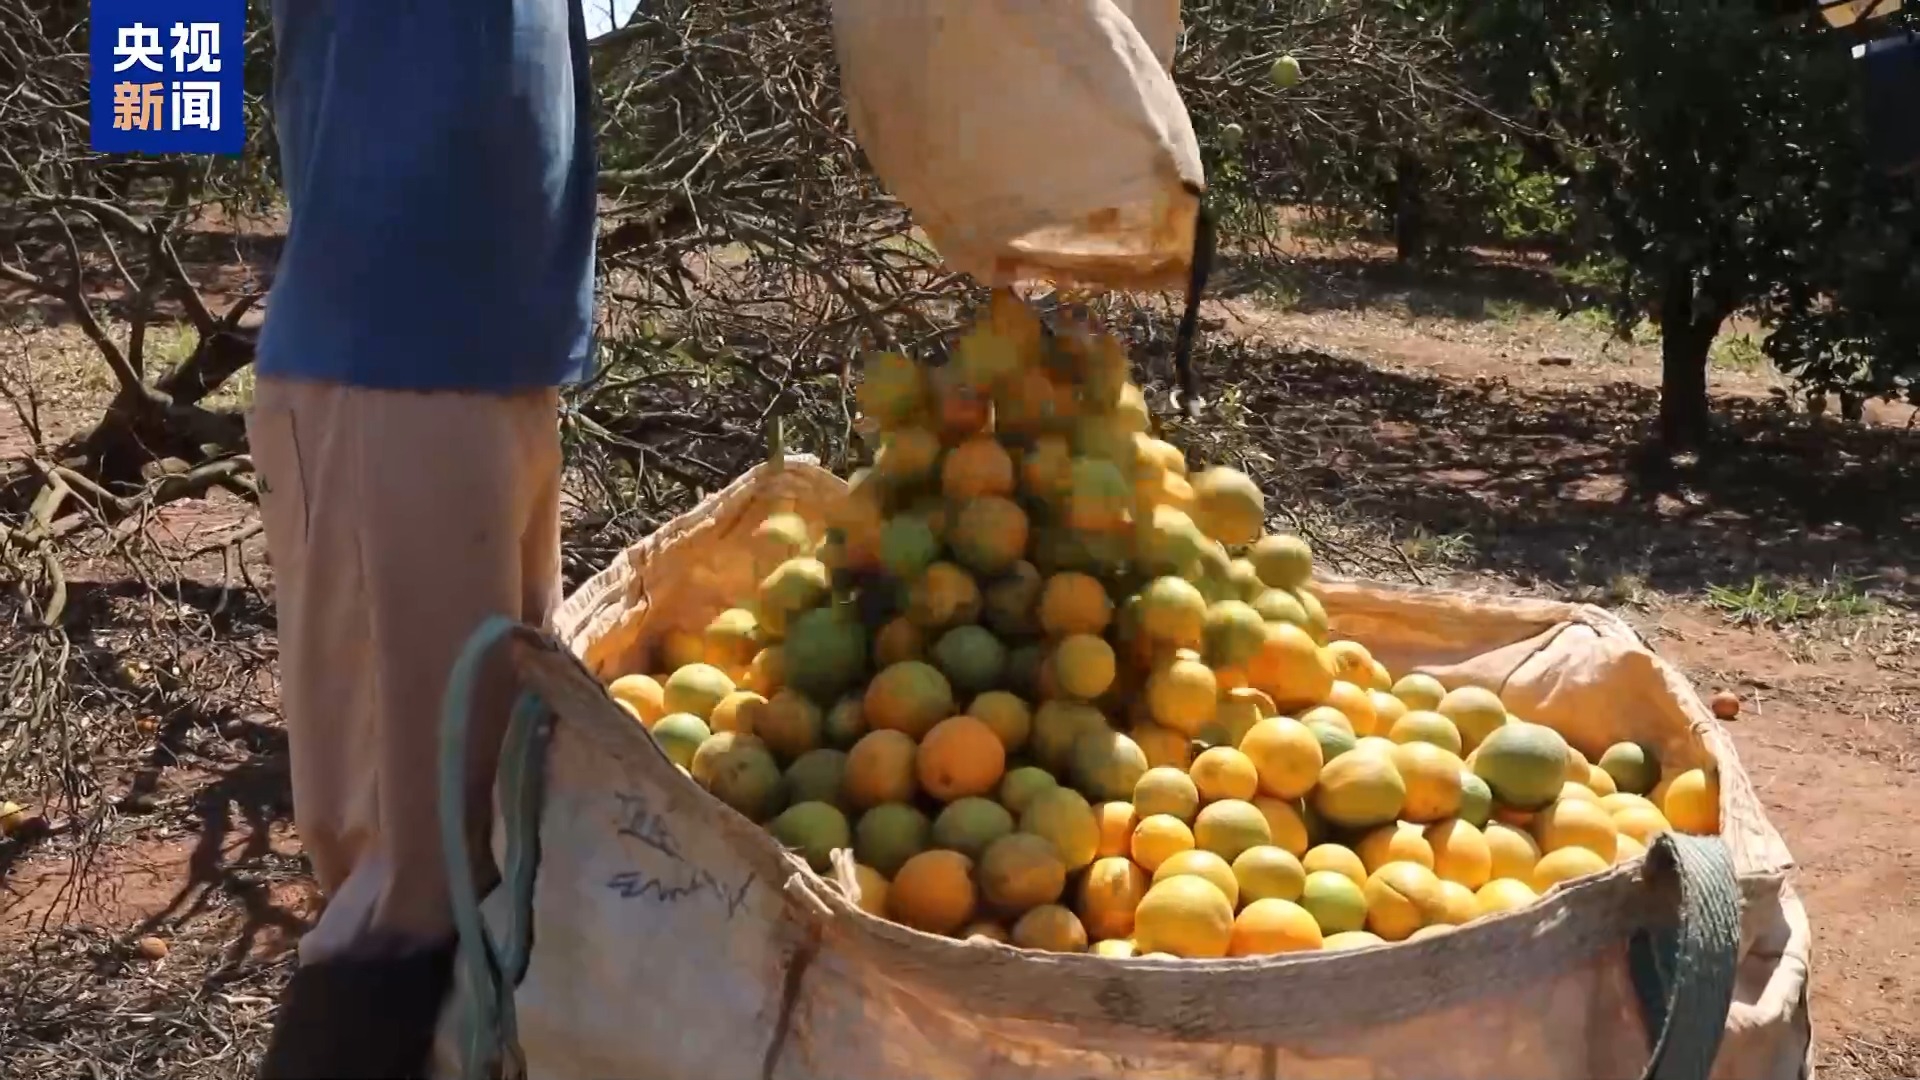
360,1019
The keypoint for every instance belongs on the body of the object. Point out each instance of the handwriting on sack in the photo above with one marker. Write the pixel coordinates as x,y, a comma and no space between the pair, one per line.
637,819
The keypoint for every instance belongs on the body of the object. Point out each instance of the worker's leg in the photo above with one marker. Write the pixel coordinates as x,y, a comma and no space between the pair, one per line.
396,522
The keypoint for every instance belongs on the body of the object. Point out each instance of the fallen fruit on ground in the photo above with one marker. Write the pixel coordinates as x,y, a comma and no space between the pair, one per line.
1726,704
12,817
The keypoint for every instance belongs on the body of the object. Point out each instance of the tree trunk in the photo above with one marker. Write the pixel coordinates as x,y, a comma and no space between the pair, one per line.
1408,209
1686,336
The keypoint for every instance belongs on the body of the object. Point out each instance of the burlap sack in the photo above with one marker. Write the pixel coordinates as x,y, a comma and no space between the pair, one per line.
1032,141
644,930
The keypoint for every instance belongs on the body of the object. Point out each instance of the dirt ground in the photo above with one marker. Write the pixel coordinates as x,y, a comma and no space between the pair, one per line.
1484,437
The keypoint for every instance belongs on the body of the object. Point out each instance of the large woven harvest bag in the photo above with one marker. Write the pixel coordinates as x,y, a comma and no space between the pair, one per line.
645,930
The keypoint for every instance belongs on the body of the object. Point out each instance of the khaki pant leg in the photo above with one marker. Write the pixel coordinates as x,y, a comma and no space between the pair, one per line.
396,523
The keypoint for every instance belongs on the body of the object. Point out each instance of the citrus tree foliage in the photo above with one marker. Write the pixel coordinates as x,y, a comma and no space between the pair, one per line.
1364,137
1847,320
1713,151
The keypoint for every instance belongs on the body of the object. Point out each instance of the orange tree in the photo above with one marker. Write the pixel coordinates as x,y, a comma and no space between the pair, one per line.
1713,154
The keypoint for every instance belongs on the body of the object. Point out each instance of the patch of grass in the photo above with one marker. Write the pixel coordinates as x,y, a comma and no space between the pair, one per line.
1443,549
1594,320
235,394
1280,289
1507,311
1598,321
1777,603
1626,590
914,244
169,345
1737,352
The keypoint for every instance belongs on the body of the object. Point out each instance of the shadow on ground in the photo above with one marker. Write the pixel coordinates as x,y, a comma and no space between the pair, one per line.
221,262
1469,286
1559,486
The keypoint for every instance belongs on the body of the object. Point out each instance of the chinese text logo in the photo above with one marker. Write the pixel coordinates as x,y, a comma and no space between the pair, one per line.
167,76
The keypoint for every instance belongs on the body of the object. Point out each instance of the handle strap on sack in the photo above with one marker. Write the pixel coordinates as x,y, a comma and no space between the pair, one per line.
1684,975
1199,269
491,966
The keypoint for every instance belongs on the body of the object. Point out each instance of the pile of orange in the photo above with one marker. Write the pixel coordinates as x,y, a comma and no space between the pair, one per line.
1053,688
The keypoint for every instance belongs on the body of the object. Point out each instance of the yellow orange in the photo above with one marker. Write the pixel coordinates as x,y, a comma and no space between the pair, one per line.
1183,695
1566,864
1356,704
1576,823
1402,897
1157,838
1166,790
1050,928
1225,773
1117,820
641,693
1074,603
1513,851
1285,755
1336,858
1184,916
1268,926
1401,841
1692,803
1434,778
1460,853
1206,866
1290,667
1503,894
1285,823
1109,894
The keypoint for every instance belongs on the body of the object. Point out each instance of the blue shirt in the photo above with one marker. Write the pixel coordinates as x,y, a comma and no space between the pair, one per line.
438,161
